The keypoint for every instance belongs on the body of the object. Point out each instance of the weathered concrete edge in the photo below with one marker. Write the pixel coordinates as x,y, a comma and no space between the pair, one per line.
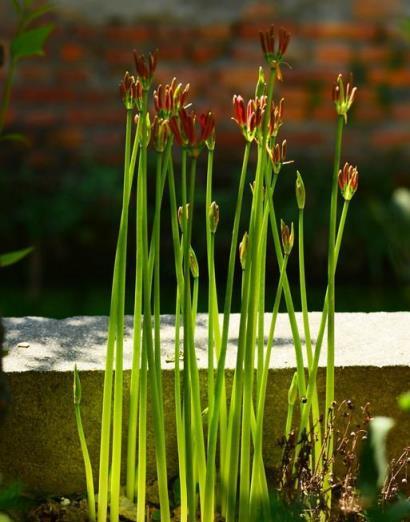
38,440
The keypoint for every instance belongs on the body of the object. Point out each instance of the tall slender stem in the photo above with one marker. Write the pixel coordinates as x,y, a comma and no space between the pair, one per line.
322,327
214,417
330,367
308,339
157,403
116,292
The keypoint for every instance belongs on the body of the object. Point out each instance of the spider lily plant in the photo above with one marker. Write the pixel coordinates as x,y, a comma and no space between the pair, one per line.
220,455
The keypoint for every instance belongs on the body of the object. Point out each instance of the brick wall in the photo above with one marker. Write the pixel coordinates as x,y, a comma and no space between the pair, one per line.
67,102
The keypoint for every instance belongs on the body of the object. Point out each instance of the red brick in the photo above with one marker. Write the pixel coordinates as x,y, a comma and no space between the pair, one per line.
340,54
369,53
217,31
391,138
401,111
68,137
323,112
394,78
204,53
129,34
45,95
73,77
40,118
120,58
260,11
71,52
172,51
368,112
246,52
375,9
242,80
348,30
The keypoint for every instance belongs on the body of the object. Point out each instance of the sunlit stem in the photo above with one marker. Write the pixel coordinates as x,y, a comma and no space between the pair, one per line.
258,470
308,339
116,305
253,272
219,383
156,397
136,357
322,328
84,449
330,366
177,388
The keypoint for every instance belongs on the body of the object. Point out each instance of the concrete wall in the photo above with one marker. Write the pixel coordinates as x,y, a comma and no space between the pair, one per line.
38,439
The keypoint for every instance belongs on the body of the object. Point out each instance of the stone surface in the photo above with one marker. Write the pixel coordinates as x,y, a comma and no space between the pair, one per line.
38,439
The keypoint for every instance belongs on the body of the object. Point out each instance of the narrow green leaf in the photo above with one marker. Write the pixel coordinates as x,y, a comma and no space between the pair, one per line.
30,42
12,257
15,137
37,13
404,401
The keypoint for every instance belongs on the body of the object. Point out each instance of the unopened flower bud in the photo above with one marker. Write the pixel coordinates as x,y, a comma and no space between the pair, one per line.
293,390
343,97
348,180
180,214
243,250
261,84
288,237
213,216
193,263
300,191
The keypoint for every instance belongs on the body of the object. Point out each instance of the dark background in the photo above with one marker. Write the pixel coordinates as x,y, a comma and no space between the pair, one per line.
62,194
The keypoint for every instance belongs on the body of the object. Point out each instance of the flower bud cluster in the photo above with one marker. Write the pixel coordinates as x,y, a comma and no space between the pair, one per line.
193,132
170,99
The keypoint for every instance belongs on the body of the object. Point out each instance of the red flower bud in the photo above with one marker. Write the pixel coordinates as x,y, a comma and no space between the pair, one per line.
348,180
274,48
146,67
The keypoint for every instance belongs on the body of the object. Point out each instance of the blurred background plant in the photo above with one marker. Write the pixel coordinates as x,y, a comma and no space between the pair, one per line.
61,192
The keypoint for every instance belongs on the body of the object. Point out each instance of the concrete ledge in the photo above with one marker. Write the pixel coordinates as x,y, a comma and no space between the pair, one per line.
38,439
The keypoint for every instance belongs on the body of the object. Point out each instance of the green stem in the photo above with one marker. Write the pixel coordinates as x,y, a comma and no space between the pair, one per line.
156,239
252,271
177,387
118,377
84,449
214,418
187,320
117,286
322,327
330,367
308,339
258,470
157,403
189,346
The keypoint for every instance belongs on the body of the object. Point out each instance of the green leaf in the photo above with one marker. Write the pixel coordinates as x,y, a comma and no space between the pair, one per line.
373,463
15,137
37,13
156,515
30,43
12,257
404,401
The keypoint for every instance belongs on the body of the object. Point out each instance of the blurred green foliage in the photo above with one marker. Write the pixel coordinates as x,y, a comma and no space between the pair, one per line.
71,217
